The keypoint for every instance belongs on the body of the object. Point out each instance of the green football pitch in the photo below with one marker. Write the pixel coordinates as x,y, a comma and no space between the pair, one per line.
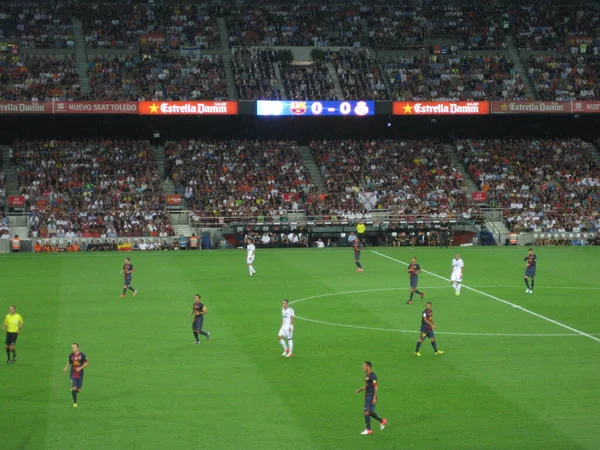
520,371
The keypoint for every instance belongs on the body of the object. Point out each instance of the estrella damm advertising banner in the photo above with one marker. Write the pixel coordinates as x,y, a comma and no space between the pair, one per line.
440,108
192,108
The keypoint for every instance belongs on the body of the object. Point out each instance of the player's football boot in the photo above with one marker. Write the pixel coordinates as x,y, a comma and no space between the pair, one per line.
367,432
417,354
439,352
383,424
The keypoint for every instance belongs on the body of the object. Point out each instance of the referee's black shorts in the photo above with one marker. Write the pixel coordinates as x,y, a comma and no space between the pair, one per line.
11,338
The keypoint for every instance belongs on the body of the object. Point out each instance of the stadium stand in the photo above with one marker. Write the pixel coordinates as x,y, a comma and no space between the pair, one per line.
306,24
541,185
37,25
38,78
254,75
312,82
406,178
454,78
565,77
238,178
91,188
157,78
359,75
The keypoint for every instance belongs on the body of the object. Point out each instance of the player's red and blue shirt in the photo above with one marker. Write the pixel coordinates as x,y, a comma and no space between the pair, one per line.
77,360
413,269
198,307
127,269
370,383
356,246
531,261
427,314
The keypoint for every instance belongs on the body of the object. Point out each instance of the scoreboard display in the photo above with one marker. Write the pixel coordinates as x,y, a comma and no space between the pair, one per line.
315,108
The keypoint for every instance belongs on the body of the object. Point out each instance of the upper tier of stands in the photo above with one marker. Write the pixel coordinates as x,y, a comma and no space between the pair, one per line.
157,78
565,77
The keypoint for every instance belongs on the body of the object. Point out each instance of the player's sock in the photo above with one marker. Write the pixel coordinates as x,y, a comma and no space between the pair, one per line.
411,295
7,354
291,345
283,344
418,292
532,283
131,289
14,354
376,417
196,336
358,264
458,287
368,421
454,285
74,394
418,347
527,283
434,345
124,291
250,270
204,333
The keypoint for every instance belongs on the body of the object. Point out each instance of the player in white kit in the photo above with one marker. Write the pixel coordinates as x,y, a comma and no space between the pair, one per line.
458,268
251,249
287,330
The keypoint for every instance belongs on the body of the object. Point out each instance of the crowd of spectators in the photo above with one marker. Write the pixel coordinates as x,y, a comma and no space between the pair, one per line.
238,178
254,74
358,74
455,78
157,78
105,188
407,178
545,25
34,78
36,26
483,26
541,185
302,24
312,82
122,24
565,77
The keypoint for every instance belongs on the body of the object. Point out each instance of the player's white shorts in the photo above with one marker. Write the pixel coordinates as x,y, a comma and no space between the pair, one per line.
250,259
456,276
286,332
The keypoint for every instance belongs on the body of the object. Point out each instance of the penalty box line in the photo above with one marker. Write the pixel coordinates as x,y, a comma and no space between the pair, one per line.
506,302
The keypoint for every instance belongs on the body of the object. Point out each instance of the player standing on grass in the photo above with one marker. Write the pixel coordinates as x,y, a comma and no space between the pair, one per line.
198,310
77,362
458,268
251,249
414,269
13,323
357,247
427,327
371,389
287,329
531,259
128,269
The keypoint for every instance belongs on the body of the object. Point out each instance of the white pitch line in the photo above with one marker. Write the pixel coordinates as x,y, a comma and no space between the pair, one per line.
514,305
394,330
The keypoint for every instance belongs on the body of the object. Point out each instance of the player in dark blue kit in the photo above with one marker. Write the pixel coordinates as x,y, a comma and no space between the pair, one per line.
371,389
427,327
357,247
198,310
77,362
531,259
414,269
128,269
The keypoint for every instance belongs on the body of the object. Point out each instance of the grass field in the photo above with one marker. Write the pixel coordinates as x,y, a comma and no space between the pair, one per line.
519,371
